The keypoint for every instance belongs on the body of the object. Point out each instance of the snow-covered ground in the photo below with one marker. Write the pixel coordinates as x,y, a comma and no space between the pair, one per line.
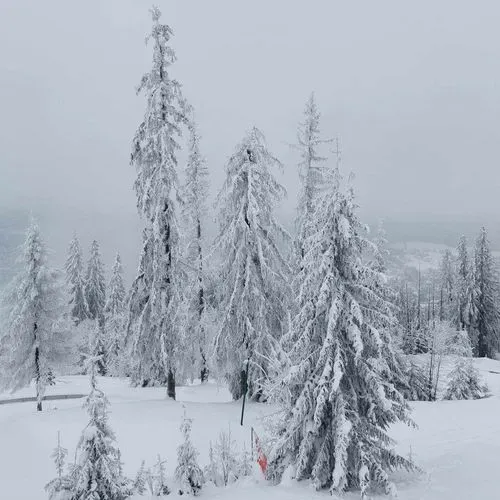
457,442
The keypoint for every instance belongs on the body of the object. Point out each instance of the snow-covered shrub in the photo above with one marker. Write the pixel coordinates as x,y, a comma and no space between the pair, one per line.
245,463
226,457
211,471
188,472
464,381
224,466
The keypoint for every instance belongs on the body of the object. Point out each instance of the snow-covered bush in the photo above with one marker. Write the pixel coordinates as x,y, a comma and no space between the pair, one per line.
157,479
211,471
188,472
245,463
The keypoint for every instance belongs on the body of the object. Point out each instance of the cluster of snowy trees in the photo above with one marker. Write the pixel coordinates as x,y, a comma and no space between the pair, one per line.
308,320
465,292
97,469
43,310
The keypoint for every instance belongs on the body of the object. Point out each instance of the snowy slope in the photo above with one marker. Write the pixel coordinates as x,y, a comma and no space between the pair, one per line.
457,442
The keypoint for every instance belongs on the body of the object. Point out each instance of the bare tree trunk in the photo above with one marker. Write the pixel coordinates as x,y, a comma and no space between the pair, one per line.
38,374
171,384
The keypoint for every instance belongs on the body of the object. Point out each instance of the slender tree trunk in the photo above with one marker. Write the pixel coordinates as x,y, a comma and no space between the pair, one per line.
201,308
38,375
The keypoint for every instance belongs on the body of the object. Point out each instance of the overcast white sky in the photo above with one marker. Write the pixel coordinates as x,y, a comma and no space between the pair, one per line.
411,88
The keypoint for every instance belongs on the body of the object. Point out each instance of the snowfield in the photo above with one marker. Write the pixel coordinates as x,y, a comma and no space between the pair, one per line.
457,442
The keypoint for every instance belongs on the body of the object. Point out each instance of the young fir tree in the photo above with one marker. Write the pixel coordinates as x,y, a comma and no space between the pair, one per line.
338,404
152,326
253,272
487,320
464,381
188,473
139,484
96,474
195,197
34,304
311,171
115,318
57,486
76,282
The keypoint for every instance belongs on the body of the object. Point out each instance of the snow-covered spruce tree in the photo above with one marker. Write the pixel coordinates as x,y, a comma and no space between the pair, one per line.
311,171
337,404
96,474
95,285
115,318
195,195
155,297
34,305
254,274
487,321
188,473
76,282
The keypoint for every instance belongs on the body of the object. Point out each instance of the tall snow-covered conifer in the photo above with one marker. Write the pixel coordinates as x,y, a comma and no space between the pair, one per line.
34,304
95,285
76,282
487,321
338,404
154,303
447,278
195,198
253,272
115,317
311,171
465,289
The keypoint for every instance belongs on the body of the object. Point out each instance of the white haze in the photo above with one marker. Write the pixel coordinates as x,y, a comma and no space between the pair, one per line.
411,89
